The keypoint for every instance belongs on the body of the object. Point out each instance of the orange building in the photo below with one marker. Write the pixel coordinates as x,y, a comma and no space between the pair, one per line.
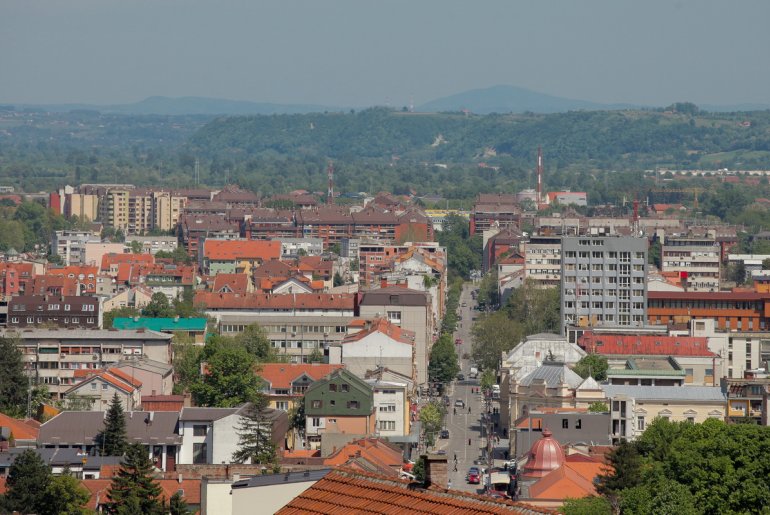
732,310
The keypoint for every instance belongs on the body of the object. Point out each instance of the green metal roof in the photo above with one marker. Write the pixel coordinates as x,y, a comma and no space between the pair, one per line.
161,324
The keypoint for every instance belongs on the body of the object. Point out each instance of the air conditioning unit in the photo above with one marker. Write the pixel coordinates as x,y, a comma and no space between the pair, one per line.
95,357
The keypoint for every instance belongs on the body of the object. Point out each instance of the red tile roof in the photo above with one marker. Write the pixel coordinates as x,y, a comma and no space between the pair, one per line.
345,490
98,489
231,250
113,376
571,480
61,285
645,345
113,259
231,283
380,325
268,301
21,429
280,375
385,459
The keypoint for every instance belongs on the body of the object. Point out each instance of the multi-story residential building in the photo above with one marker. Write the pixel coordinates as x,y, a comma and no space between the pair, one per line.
294,247
60,311
747,397
340,403
382,344
604,281
296,324
497,209
210,435
70,245
632,408
391,404
52,356
15,278
542,260
286,383
410,310
154,244
98,388
695,259
193,229
732,310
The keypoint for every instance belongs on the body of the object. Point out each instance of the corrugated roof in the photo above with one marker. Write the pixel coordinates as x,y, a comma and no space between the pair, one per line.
230,250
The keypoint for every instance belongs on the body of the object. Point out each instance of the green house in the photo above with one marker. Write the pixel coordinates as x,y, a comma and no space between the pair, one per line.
339,403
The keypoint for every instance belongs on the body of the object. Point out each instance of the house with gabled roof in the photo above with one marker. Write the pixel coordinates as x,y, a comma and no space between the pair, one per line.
285,383
24,432
227,256
232,283
99,387
338,409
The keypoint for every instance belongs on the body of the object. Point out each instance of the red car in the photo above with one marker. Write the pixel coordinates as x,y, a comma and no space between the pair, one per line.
474,476
458,341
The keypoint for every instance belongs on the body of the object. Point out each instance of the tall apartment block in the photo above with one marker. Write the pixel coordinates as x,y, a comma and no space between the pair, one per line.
695,258
543,260
603,281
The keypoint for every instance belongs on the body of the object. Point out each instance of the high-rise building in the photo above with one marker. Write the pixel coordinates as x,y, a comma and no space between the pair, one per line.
603,281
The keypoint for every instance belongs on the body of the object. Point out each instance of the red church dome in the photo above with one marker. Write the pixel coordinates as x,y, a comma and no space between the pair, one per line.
545,455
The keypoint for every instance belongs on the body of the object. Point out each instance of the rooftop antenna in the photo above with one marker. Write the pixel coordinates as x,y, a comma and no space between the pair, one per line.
330,193
197,171
539,176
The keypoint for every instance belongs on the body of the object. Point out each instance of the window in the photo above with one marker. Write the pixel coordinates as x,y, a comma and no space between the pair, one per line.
387,425
388,408
93,386
345,387
282,405
691,420
353,405
104,386
316,422
640,423
200,452
394,317
317,404
332,387
688,375
200,430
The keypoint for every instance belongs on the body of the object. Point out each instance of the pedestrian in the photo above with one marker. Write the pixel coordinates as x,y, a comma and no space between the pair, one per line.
455,466
469,409
455,457
454,410
449,484
469,441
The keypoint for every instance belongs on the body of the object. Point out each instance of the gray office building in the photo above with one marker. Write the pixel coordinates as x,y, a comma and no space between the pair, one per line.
603,281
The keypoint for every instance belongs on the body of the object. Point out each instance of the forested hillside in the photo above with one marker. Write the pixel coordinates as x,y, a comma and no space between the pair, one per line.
454,155
594,139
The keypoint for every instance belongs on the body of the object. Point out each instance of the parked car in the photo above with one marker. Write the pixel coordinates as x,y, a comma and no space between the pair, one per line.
458,341
444,434
461,377
459,403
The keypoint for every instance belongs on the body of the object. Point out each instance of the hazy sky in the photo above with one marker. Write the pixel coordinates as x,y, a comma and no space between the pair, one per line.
362,52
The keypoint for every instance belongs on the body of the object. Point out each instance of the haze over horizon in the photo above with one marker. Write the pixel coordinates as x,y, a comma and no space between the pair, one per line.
361,53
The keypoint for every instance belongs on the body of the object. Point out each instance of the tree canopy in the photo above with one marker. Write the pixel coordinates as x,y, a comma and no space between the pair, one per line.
13,382
133,490
594,365
112,439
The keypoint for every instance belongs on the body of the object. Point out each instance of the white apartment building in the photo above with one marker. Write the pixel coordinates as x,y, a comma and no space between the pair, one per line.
696,259
542,260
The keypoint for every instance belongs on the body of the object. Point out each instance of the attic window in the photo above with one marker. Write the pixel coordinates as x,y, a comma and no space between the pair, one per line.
345,387
353,405
332,387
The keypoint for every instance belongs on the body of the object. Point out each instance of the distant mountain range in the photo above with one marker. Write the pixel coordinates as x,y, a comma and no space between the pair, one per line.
496,99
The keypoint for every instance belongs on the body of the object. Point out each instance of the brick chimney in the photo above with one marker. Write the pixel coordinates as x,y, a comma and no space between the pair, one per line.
436,470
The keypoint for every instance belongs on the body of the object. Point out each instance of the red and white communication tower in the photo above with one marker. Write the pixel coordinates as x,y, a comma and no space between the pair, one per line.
539,176
330,174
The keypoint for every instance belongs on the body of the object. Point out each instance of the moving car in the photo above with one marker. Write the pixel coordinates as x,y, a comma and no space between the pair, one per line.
459,403
444,434
474,476
461,377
